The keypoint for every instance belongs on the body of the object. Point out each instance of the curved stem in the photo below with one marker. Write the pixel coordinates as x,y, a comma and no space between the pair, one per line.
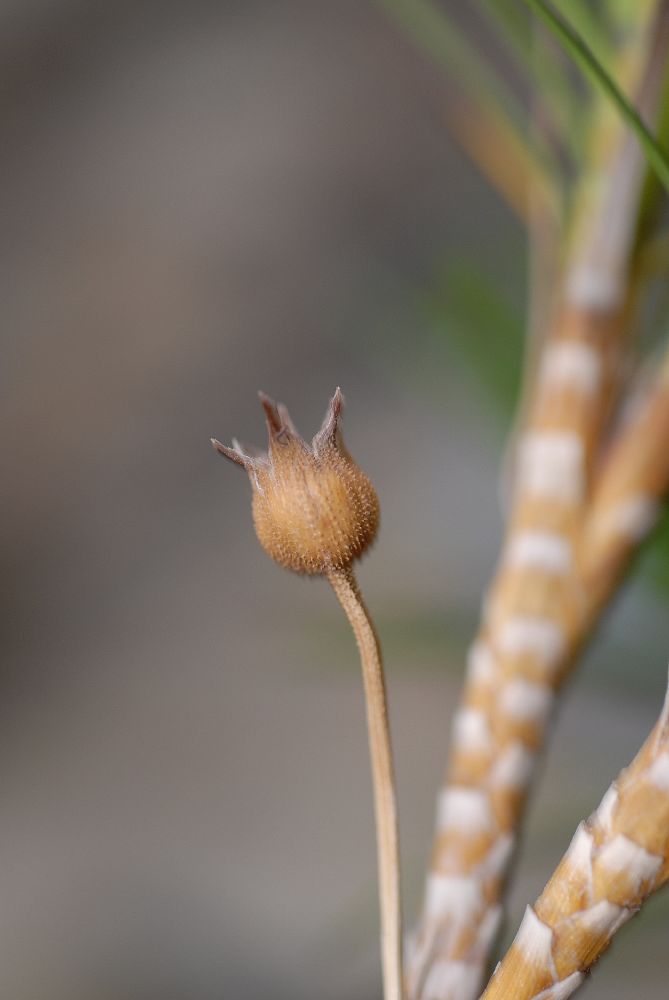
387,837
616,860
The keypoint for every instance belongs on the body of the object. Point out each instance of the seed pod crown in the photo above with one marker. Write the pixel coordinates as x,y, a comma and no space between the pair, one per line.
314,510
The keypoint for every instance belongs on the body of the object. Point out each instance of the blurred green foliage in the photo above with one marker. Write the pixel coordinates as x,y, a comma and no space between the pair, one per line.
484,326
654,561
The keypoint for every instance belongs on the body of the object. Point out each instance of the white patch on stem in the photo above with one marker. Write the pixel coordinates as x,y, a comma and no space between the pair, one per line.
454,980
622,856
633,518
488,930
498,857
604,918
604,813
455,897
572,364
471,732
542,550
579,854
535,941
563,989
525,701
591,287
527,635
466,810
552,466
513,769
658,772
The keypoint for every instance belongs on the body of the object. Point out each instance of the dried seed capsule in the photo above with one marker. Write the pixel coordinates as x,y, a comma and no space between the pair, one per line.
314,510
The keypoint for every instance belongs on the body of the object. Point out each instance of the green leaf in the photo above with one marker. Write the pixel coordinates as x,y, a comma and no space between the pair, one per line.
585,58
651,198
543,70
485,327
588,20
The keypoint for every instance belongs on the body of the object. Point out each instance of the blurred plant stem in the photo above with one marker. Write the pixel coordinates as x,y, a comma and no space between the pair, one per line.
488,94
574,523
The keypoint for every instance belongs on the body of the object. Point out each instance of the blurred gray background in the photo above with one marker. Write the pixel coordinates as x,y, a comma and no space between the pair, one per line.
200,200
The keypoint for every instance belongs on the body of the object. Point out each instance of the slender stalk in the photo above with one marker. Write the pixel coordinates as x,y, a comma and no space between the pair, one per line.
502,159
551,83
583,55
592,25
627,496
348,593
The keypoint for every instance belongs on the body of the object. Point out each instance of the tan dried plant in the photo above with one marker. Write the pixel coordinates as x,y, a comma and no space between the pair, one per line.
315,512
590,470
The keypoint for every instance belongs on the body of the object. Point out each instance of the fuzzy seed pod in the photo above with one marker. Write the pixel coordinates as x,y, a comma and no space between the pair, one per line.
314,510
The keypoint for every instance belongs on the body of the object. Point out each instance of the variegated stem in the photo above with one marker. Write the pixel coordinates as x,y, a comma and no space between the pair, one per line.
531,623
629,490
523,651
537,612
387,837
629,487
615,861
601,240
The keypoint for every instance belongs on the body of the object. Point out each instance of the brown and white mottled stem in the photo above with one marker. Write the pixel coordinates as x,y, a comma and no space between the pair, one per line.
628,493
536,616
615,861
519,660
387,836
628,490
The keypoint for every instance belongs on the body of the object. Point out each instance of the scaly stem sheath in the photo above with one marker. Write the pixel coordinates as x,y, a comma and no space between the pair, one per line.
387,838
616,859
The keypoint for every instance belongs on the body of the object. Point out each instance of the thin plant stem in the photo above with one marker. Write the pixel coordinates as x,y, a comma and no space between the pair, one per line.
587,61
440,37
509,22
502,158
348,593
631,483
591,26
